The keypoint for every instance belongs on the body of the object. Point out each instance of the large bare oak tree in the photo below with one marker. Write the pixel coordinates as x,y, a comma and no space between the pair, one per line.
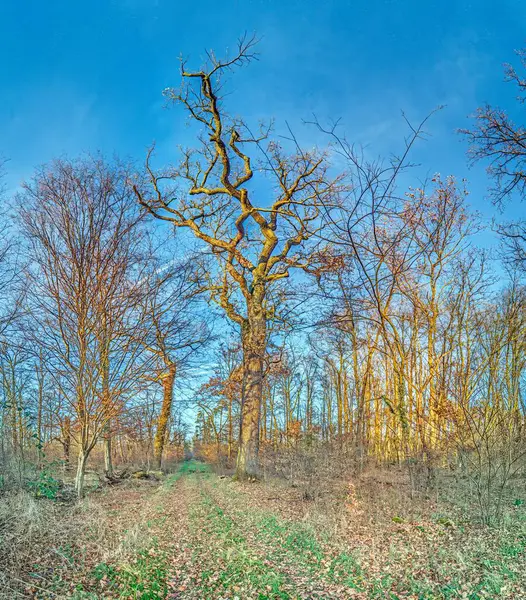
256,206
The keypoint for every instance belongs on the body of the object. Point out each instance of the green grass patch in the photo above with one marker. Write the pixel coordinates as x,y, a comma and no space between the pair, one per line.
143,577
188,467
484,570
240,568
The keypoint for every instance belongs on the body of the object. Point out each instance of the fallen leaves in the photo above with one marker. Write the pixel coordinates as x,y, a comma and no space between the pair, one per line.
200,537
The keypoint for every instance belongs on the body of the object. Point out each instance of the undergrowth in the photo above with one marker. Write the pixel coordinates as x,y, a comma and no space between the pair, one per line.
197,536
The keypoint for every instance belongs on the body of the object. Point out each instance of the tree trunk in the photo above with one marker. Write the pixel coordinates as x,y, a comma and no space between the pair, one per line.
254,338
81,471
230,427
66,442
40,441
108,463
108,409
166,410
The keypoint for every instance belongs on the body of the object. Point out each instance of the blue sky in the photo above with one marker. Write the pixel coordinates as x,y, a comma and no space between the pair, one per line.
84,76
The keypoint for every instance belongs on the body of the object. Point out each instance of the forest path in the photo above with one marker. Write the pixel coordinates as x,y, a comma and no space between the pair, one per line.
197,536
219,544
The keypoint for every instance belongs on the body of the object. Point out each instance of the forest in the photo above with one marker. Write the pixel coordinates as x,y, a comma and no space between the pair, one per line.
266,368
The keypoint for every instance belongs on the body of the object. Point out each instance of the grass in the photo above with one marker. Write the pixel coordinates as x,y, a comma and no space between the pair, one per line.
431,561
187,468
144,576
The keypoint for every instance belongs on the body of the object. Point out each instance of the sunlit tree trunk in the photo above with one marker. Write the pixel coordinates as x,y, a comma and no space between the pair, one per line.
159,441
264,407
107,439
230,427
254,341
81,472
83,451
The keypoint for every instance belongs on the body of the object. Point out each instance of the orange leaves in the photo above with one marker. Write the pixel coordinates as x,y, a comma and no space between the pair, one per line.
294,429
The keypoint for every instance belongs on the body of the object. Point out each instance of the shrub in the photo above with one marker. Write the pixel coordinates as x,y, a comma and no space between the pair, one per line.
46,486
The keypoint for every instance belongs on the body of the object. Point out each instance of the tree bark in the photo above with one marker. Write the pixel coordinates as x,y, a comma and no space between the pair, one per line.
108,409
40,441
254,338
166,410
81,471
230,427
108,463
66,443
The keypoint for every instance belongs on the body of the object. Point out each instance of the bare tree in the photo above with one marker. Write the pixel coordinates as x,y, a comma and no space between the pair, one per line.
176,331
9,301
496,140
81,222
214,193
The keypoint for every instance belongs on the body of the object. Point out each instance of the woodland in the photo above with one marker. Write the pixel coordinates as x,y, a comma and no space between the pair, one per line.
265,369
